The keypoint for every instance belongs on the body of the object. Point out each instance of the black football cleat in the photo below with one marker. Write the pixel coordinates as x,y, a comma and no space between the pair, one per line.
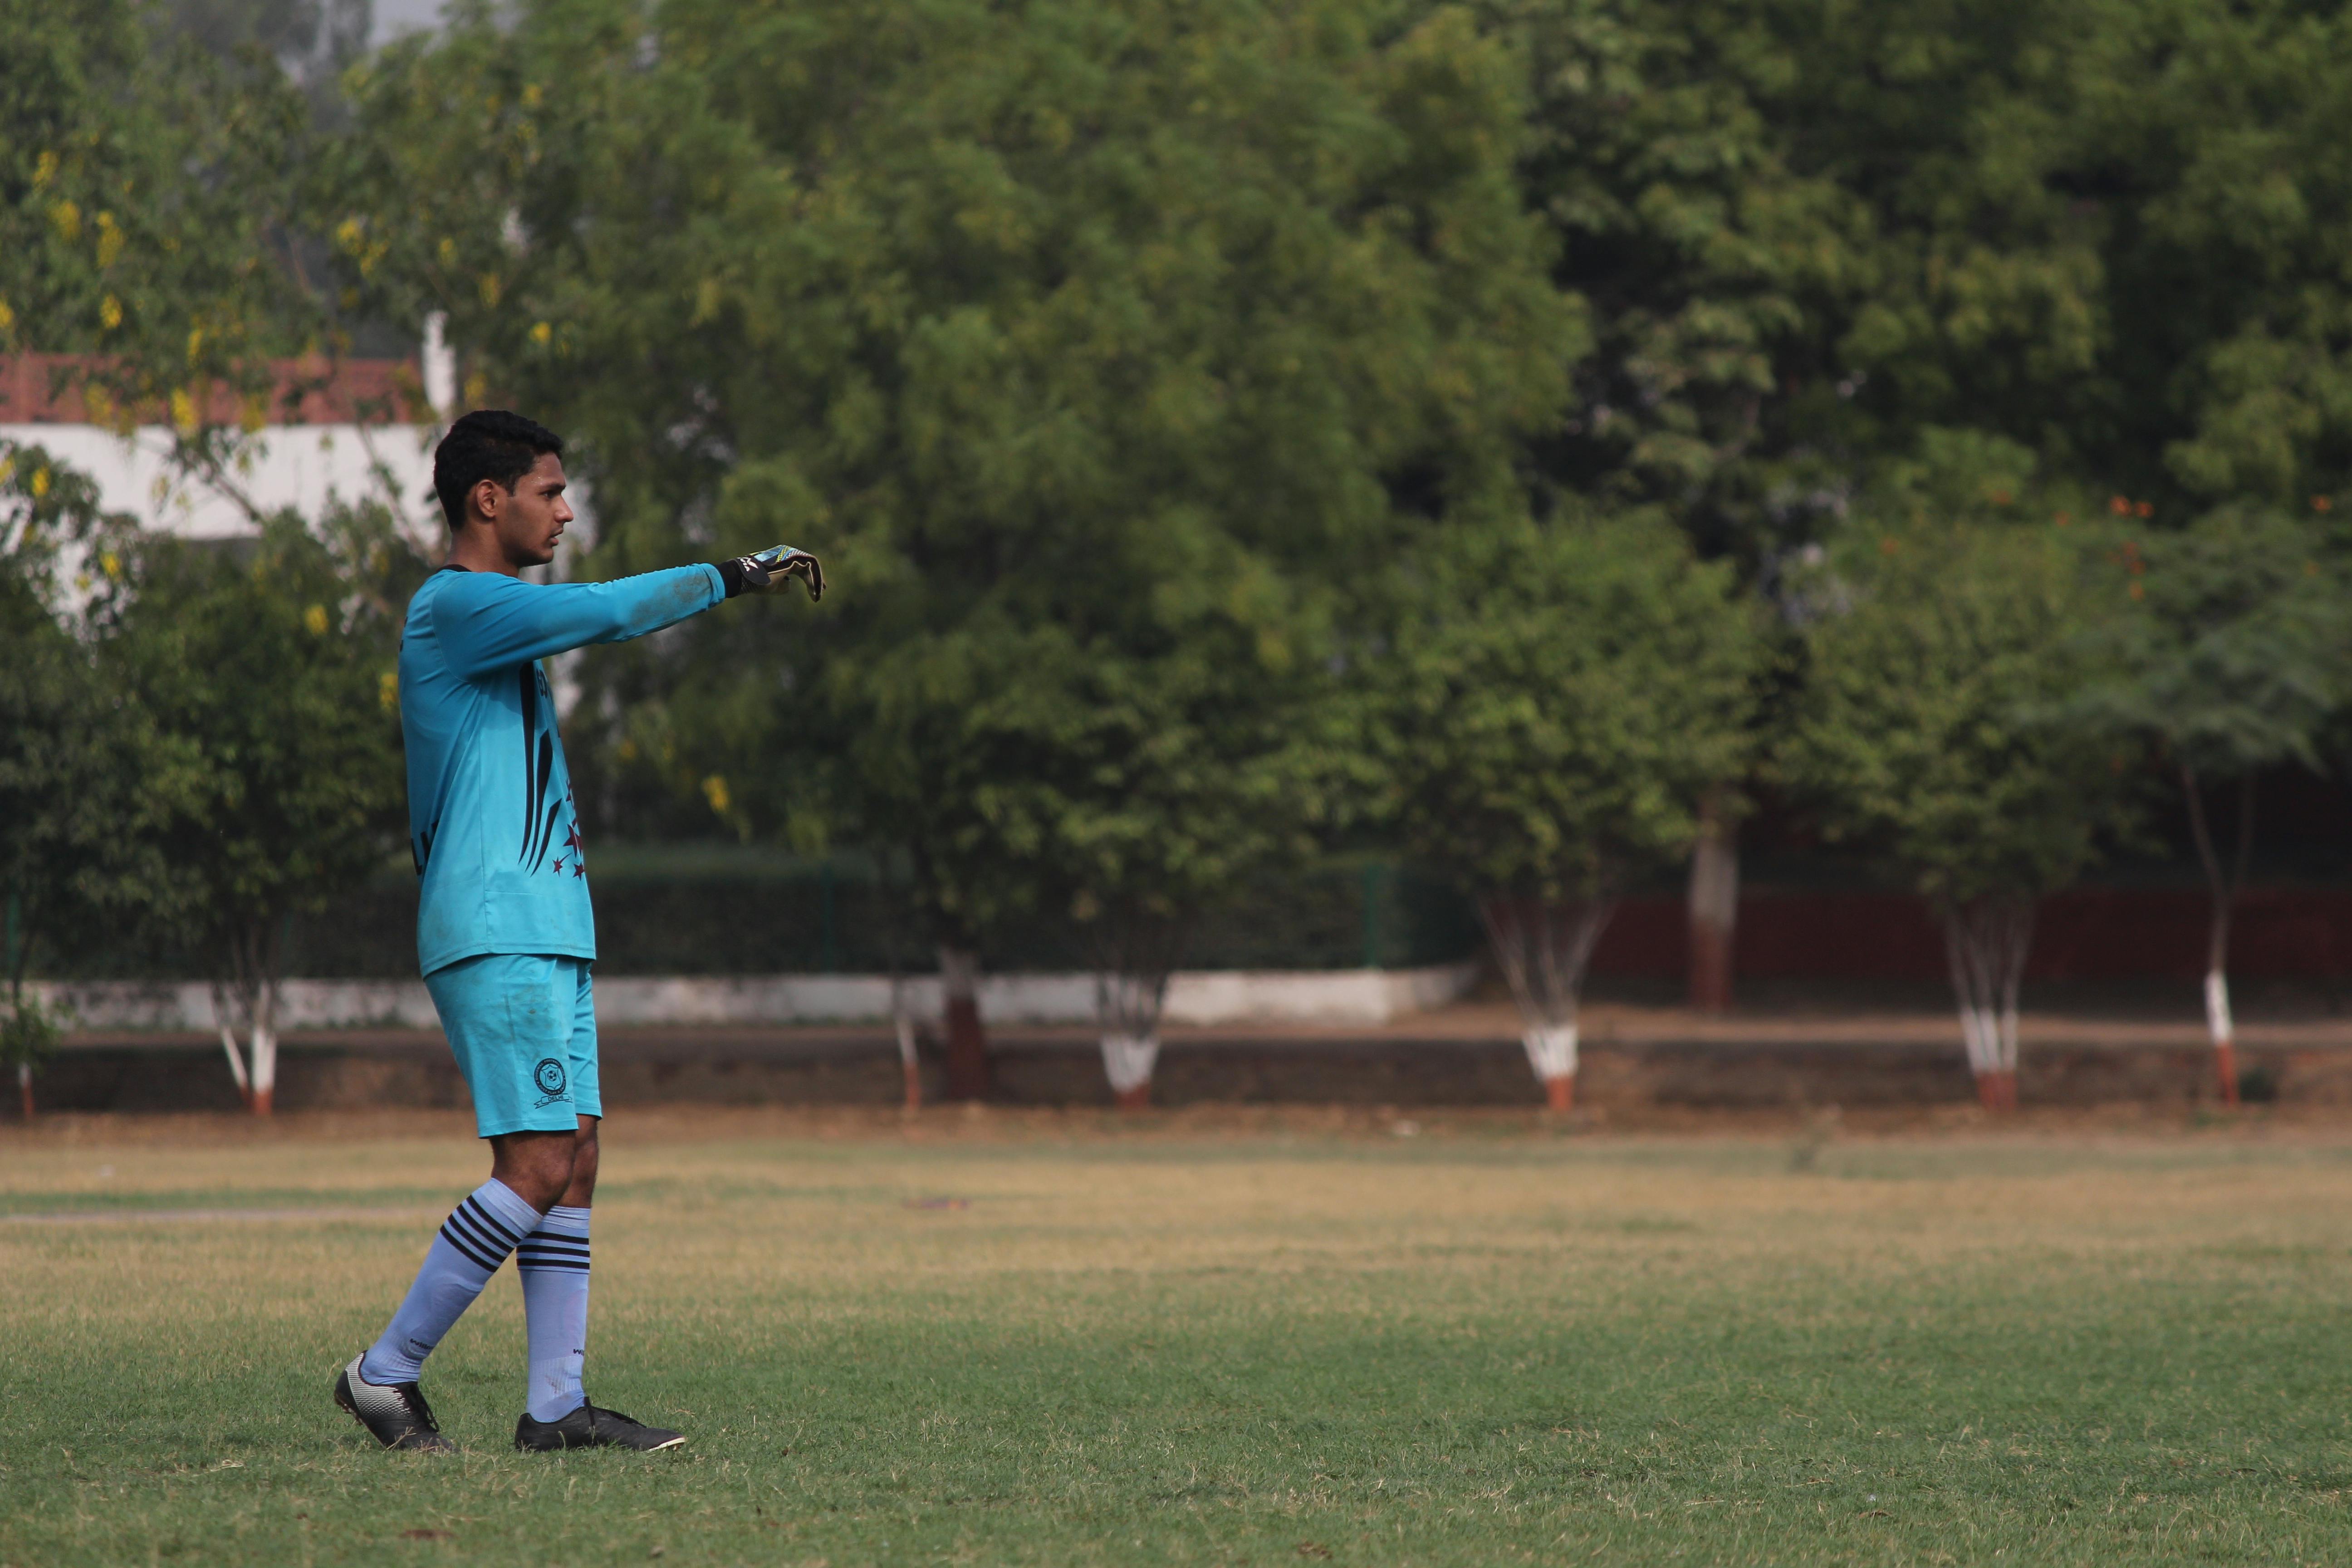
394,1413
590,1428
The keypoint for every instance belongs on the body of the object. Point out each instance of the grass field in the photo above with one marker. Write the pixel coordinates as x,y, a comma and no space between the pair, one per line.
1061,1345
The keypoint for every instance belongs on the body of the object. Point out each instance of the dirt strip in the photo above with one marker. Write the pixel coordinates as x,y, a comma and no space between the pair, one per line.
950,1125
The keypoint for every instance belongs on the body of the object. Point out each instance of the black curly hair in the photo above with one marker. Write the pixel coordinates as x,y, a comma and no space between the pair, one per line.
488,444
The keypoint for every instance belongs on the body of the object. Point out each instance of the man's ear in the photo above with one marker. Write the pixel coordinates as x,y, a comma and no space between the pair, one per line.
485,497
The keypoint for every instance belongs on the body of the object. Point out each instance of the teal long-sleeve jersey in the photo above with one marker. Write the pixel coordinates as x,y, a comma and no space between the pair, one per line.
490,813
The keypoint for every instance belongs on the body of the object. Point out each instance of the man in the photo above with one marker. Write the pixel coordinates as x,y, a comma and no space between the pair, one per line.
504,932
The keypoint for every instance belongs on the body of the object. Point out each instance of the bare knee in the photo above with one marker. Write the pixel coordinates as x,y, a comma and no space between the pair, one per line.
536,1167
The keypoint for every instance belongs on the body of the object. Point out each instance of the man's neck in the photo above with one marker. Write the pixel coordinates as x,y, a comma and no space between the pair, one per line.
476,550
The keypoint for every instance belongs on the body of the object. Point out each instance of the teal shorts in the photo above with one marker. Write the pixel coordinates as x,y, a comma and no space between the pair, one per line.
523,1029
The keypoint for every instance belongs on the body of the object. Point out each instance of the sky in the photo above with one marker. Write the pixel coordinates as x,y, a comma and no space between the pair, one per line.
394,18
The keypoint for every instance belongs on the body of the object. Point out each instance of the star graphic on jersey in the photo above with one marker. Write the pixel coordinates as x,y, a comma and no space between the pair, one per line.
558,865
578,869
571,839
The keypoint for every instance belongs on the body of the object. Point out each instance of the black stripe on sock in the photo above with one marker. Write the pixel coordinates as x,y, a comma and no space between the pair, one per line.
538,1244
541,1249
474,1208
490,1250
534,1265
473,1253
481,1240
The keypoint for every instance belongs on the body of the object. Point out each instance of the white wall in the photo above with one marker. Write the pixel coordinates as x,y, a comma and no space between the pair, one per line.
1344,996
301,466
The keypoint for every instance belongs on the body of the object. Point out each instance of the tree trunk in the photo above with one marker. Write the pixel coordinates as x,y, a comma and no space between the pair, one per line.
1128,1062
1543,947
1552,1051
25,1088
224,1020
252,990
1714,905
902,1019
2219,1024
1133,951
967,1072
2223,889
1986,941
265,1048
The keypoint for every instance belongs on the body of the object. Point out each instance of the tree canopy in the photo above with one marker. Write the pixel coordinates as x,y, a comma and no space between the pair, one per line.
1080,338
1558,698
1225,424
1932,725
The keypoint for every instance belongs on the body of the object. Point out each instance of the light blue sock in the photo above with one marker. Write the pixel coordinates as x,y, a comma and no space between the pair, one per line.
474,1240
552,1264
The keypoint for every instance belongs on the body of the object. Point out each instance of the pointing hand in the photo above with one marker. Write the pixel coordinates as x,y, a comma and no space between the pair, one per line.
767,571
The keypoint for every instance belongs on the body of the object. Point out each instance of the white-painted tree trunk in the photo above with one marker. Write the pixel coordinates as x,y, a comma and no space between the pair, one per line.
1552,1051
1986,941
1133,944
1129,1060
2219,1009
1990,1036
2224,885
2225,1030
1128,1004
1543,947
253,1004
265,1048
902,1019
224,1020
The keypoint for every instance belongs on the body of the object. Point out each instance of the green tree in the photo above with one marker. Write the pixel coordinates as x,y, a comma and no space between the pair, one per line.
86,780
1554,703
2113,234
1714,261
1150,782
1077,340
274,663
1932,733
312,39
1711,256
149,192
2109,233
2231,658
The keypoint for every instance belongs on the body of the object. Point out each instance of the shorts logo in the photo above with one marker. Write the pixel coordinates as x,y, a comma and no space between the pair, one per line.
548,1074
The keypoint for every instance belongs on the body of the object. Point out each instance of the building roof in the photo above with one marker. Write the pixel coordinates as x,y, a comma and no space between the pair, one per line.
42,389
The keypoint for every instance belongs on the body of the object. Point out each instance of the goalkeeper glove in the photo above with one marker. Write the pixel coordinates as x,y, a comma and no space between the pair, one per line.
767,571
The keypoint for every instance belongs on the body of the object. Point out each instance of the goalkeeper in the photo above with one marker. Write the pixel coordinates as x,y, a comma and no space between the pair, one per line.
504,932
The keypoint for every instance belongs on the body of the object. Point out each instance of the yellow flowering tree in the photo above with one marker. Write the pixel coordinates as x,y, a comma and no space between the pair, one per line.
150,195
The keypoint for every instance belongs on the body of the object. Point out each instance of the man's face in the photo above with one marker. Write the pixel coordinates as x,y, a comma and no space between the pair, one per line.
528,523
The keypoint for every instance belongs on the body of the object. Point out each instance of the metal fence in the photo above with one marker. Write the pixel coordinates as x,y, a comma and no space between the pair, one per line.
688,914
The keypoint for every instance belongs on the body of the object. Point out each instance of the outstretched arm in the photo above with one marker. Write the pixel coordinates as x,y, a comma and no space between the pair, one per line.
490,621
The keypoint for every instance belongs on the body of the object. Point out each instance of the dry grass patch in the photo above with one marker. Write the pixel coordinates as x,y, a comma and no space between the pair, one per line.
1044,1342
